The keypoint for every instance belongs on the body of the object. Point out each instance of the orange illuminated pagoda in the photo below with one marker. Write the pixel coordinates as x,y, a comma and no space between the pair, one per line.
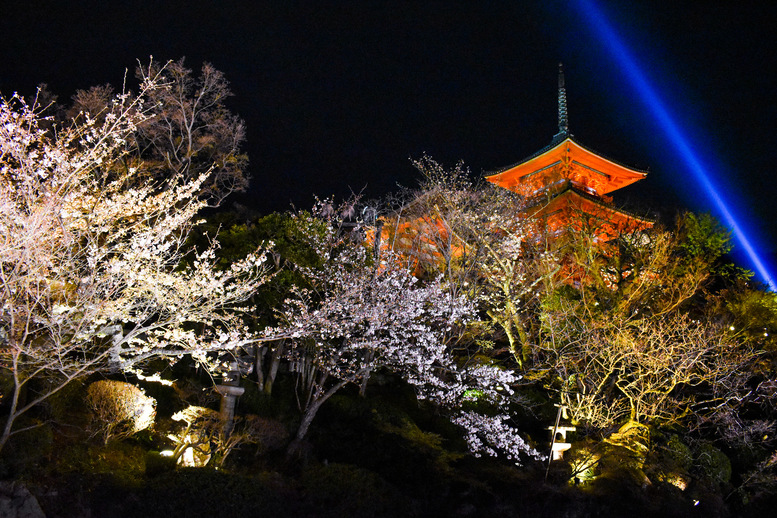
565,188
566,184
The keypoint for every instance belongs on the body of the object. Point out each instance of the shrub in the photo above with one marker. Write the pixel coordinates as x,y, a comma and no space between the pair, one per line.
205,435
27,452
120,409
215,494
67,405
713,465
346,490
678,452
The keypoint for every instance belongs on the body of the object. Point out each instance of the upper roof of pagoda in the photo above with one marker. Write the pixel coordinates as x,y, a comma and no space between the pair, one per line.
565,159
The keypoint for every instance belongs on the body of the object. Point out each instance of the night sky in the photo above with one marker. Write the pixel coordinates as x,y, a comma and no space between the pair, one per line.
337,96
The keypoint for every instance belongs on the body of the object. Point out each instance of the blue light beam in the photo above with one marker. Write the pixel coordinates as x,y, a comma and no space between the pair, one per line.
682,145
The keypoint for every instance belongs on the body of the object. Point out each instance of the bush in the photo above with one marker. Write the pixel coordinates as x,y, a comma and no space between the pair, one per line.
67,405
714,466
157,464
679,453
346,490
203,492
205,435
120,409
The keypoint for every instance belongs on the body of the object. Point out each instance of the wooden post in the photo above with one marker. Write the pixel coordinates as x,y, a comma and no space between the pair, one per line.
553,440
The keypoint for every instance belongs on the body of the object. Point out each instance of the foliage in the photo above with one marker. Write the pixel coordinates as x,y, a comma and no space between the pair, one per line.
103,268
713,465
752,312
760,482
69,404
702,240
293,238
344,490
619,326
679,452
206,435
633,339
656,369
120,409
472,235
28,452
205,492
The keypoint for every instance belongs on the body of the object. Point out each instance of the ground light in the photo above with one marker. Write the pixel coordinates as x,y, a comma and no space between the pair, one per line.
681,143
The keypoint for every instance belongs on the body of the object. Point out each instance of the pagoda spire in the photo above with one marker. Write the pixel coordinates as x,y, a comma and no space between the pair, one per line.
563,121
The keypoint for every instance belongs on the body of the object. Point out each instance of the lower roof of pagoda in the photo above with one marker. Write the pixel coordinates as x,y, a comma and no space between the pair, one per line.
575,204
565,159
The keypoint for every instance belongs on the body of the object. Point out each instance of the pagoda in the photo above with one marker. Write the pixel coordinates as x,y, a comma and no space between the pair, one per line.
566,185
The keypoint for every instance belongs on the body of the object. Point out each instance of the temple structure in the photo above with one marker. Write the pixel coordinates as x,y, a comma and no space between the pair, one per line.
566,185
564,191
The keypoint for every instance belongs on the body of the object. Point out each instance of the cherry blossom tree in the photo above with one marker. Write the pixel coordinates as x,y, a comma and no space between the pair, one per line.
475,236
641,336
361,315
607,324
92,270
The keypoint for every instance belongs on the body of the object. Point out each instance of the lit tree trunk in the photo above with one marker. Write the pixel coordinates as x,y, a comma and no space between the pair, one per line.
519,345
259,352
524,338
265,381
277,353
366,377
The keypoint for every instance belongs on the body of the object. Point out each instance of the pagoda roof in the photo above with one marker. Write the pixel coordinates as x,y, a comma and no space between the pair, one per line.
571,196
566,158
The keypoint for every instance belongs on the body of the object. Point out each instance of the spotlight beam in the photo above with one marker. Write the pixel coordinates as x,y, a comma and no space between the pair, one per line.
676,137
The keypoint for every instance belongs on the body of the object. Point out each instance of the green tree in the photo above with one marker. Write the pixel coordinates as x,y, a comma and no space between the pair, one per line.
634,338
294,237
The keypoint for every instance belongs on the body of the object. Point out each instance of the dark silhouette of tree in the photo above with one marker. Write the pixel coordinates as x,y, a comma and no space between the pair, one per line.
189,130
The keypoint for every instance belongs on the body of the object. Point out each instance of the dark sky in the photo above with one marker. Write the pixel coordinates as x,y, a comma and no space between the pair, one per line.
338,95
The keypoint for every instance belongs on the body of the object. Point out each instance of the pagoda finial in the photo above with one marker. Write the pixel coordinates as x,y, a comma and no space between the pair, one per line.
563,122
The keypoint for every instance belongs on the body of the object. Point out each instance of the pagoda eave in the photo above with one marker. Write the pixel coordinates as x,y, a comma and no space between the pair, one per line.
574,210
570,160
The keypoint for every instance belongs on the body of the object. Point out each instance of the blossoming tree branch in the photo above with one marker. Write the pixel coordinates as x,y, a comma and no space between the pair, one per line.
92,269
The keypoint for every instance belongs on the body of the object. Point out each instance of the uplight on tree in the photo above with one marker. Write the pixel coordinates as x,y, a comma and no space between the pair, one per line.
94,271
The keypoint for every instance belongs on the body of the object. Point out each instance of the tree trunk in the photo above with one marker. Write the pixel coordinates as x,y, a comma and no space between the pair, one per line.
363,384
308,415
259,352
277,353
6,431
507,327
12,412
366,377
524,337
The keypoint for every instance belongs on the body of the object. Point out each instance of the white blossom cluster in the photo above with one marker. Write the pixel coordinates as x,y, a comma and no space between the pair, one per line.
360,316
479,238
498,436
94,274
